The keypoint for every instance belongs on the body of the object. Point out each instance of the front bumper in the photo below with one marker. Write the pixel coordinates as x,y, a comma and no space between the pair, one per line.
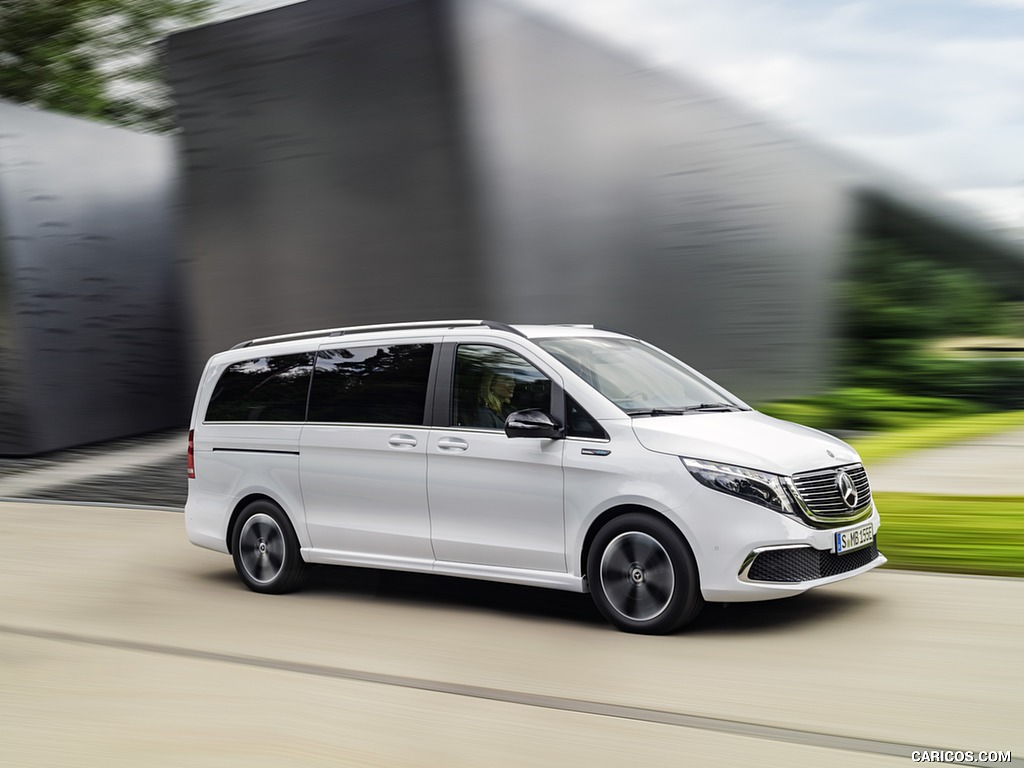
747,553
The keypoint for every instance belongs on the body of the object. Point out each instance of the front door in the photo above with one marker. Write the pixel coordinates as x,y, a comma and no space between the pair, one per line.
494,500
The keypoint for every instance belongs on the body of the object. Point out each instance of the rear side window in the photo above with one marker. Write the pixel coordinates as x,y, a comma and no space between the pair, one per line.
371,385
263,389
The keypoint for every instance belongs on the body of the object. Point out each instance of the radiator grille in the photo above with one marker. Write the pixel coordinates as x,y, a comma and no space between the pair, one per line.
820,491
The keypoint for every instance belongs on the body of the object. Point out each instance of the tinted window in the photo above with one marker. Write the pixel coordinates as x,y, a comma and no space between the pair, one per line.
371,385
263,389
581,423
492,382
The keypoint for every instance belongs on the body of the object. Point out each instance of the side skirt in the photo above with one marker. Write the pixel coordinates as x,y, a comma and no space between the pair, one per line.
550,579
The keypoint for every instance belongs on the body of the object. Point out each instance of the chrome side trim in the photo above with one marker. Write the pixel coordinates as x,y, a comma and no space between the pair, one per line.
224,449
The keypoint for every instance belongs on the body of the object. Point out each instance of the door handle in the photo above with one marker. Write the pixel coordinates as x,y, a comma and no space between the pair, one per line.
456,444
402,441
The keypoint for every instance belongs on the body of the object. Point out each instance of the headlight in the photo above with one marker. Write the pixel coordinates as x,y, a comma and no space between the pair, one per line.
759,487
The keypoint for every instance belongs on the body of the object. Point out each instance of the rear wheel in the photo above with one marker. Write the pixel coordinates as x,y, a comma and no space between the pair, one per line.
266,550
642,575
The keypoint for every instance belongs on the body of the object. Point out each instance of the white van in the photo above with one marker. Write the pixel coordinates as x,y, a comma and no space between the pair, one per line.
560,456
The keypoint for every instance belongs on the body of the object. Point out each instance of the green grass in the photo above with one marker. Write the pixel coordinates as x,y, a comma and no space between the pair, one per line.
888,445
957,534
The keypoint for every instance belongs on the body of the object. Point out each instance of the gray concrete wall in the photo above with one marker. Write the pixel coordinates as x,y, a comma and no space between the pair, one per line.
324,182
89,299
617,195
388,160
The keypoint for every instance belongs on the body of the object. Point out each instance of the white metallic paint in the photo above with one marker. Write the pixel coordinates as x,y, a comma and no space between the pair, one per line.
498,502
501,509
233,461
744,438
365,489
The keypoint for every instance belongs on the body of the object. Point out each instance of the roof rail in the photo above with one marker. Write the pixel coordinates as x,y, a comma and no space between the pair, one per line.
597,328
379,327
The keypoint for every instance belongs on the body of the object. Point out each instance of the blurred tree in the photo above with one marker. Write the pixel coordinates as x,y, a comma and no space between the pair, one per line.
895,294
1011,319
92,58
896,302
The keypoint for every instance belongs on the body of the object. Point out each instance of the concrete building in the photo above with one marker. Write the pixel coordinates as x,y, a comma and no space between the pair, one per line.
387,160
90,339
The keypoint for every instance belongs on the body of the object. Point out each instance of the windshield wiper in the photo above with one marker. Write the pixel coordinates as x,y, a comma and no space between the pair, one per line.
707,407
714,407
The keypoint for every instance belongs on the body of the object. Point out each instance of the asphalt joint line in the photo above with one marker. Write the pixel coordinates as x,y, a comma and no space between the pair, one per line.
579,706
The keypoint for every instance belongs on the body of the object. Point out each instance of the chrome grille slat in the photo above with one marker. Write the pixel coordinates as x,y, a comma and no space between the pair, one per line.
817,490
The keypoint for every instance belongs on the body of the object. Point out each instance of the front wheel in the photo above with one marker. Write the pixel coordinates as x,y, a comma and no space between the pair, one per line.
642,575
266,550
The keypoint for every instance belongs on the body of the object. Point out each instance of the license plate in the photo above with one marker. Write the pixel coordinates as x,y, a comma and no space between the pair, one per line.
854,538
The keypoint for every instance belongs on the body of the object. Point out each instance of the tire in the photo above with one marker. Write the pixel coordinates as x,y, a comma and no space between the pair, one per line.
642,576
266,550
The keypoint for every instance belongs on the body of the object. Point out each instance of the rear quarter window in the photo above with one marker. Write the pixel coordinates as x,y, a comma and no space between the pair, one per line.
263,389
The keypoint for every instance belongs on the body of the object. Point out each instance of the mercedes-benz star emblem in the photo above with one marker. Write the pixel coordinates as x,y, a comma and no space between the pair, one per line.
847,490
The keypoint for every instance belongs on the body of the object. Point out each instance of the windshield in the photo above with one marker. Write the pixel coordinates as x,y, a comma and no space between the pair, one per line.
638,378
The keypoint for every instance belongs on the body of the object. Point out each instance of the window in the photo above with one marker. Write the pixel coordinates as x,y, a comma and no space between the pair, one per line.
634,375
580,423
263,389
492,382
371,385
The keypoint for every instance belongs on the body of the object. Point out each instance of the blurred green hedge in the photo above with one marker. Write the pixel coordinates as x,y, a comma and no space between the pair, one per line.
868,409
896,304
956,534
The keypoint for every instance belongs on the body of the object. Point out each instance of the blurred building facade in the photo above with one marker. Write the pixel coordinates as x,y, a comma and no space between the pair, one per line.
389,160
91,346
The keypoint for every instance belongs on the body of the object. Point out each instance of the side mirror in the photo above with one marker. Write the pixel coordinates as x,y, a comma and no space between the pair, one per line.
533,422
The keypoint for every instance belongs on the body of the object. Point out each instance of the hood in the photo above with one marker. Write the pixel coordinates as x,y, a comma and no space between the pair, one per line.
745,438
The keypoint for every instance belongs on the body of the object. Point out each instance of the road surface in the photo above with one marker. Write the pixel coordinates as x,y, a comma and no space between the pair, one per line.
123,645
986,466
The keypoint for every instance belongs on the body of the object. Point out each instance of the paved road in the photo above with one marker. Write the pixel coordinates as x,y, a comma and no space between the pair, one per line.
123,645
88,465
989,466
147,470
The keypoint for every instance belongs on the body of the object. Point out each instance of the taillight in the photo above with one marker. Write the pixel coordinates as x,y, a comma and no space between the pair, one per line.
191,453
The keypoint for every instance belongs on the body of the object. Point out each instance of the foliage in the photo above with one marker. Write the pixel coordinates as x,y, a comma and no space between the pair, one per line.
959,534
894,299
996,383
896,304
1010,320
867,409
91,58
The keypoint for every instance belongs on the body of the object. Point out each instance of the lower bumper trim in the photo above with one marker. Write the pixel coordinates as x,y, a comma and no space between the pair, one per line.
795,564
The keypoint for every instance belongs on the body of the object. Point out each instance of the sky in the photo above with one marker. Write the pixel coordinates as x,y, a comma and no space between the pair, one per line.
931,89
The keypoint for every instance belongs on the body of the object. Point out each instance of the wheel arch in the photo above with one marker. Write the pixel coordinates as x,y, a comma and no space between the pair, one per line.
242,504
618,511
